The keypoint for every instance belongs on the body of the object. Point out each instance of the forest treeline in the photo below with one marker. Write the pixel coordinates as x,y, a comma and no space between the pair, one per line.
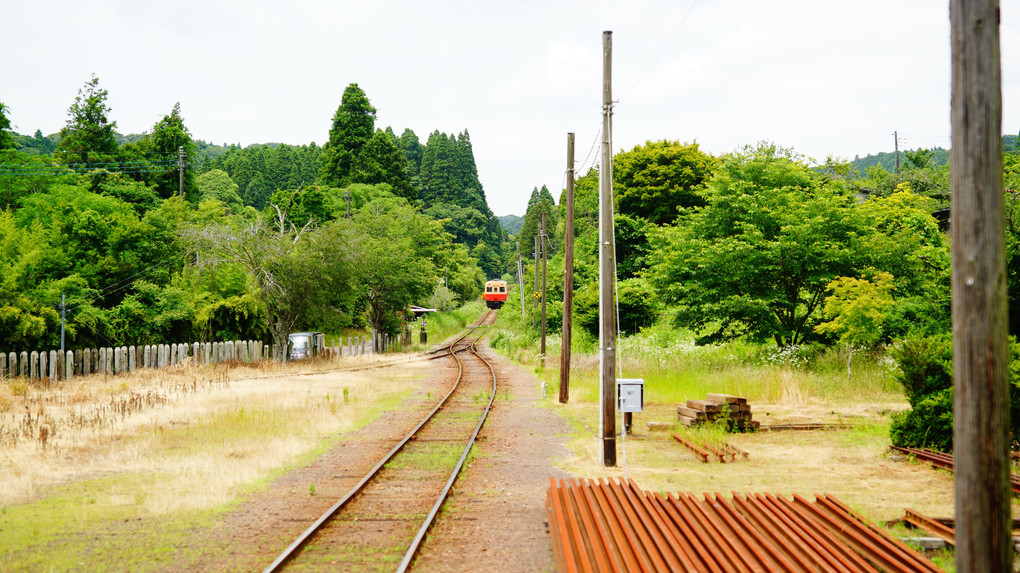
760,244
160,237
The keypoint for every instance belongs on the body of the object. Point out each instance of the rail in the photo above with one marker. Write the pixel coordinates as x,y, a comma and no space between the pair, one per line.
451,350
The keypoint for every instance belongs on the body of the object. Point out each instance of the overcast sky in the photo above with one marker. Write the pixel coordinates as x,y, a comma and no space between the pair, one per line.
819,77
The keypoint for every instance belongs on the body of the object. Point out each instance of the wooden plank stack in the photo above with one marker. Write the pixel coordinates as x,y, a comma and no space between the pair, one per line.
734,411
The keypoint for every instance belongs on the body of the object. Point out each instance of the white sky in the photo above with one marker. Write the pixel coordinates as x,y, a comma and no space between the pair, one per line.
820,77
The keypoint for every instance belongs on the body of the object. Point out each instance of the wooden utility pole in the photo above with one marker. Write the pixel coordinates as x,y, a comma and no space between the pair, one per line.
980,346
534,299
545,255
896,147
607,265
568,275
520,278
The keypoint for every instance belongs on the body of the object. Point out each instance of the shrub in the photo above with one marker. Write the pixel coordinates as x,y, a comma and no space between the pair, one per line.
926,374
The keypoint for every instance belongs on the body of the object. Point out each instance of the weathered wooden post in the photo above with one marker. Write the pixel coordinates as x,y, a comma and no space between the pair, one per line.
79,362
33,368
43,366
980,337
59,363
25,368
69,365
3,366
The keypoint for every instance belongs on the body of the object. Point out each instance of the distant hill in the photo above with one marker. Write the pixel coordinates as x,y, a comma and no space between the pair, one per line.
888,160
511,223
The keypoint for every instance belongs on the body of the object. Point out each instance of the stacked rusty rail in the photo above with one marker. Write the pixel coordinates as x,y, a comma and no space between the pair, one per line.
932,526
707,449
945,461
611,525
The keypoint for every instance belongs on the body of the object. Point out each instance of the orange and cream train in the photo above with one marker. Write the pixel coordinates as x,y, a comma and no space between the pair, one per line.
495,294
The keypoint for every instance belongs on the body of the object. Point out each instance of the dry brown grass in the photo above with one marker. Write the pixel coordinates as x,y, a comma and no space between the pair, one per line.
185,437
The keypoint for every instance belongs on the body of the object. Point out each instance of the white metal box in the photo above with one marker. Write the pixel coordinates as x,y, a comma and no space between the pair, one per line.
630,394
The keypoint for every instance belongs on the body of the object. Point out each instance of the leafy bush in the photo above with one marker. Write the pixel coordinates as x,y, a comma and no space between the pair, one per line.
638,306
926,374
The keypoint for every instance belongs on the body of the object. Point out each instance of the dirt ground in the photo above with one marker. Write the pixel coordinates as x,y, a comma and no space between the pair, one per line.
495,518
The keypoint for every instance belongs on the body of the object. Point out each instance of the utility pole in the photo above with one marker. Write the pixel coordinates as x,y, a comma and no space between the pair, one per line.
568,275
607,265
348,215
545,255
534,299
180,170
980,344
520,278
896,146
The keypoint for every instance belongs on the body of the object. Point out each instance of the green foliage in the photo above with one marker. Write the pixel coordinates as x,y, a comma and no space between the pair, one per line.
926,374
260,170
391,246
511,223
6,136
169,135
658,179
353,127
541,202
756,259
381,161
88,136
857,308
216,185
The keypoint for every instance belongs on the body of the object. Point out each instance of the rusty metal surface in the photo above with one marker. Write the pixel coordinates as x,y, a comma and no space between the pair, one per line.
936,528
706,449
945,461
612,525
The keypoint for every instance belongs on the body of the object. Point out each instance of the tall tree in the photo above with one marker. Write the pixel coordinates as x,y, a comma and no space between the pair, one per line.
541,201
353,126
88,136
413,151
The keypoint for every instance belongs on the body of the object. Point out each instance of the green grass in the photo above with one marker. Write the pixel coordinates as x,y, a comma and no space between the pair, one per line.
104,520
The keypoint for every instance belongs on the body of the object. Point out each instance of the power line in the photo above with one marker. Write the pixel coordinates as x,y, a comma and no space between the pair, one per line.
662,51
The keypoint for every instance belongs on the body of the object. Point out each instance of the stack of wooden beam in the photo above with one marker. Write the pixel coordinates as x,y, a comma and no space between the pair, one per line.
734,411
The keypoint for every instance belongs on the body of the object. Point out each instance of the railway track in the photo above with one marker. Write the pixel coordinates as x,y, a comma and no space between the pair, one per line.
382,521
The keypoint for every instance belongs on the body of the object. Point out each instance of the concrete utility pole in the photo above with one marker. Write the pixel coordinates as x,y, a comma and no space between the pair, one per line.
348,215
568,275
63,320
545,255
607,265
180,170
980,345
